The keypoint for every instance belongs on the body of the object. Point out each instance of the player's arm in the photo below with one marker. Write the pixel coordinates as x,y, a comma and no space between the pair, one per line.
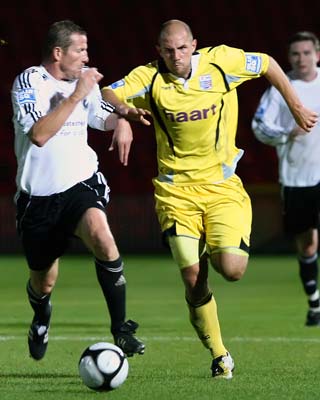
304,117
129,113
266,123
122,136
47,126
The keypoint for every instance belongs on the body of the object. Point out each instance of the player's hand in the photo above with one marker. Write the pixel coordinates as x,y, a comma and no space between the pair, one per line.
297,131
306,118
134,114
122,138
89,77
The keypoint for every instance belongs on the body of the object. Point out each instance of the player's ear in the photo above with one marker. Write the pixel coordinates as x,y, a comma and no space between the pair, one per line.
57,53
158,49
194,44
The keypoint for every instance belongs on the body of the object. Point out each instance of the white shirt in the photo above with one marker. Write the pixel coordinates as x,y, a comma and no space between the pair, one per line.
299,158
66,158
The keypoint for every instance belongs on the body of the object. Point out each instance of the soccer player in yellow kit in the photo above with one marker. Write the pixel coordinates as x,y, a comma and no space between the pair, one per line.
202,207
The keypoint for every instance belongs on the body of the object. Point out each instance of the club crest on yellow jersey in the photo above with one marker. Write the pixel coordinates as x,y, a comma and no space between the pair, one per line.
205,82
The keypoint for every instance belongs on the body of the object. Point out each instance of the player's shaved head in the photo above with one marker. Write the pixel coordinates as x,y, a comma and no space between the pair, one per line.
173,26
176,46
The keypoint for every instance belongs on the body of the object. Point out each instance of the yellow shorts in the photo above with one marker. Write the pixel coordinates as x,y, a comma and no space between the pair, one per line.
219,214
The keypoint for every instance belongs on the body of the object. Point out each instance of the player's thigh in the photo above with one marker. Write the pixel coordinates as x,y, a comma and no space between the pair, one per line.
230,265
94,230
179,210
36,221
91,193
228,220
186,251
300,209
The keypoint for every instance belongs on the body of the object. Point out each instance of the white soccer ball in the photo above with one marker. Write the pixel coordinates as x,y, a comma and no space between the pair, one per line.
103,366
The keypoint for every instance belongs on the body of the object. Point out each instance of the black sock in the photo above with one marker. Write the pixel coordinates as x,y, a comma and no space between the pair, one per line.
309,278
113,285
41,306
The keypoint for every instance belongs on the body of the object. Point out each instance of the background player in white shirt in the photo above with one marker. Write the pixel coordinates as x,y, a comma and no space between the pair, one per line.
60,191
299,162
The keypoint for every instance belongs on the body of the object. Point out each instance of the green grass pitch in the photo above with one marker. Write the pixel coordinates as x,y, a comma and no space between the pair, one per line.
262,320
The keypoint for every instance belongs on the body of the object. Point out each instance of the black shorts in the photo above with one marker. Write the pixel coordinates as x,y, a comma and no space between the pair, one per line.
47,223
301,207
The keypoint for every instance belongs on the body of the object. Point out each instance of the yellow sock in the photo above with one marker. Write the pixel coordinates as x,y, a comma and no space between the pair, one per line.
204,319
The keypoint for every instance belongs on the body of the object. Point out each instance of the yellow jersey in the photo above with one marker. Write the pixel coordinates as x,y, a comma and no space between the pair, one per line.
195,119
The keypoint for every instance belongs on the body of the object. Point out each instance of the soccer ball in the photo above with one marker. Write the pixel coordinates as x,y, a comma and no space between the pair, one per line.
103,366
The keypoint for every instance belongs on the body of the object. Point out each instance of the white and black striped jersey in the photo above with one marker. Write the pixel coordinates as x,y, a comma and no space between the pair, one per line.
66,158
299,157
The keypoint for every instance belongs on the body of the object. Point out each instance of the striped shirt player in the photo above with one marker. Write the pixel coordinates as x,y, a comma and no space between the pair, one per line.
40,171
298,160
60,192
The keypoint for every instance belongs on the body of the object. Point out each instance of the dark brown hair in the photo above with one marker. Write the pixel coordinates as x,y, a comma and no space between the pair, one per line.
305,35
59,35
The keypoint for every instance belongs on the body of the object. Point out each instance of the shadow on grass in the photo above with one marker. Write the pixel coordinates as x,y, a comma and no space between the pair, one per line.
51,382
89,325
35,375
